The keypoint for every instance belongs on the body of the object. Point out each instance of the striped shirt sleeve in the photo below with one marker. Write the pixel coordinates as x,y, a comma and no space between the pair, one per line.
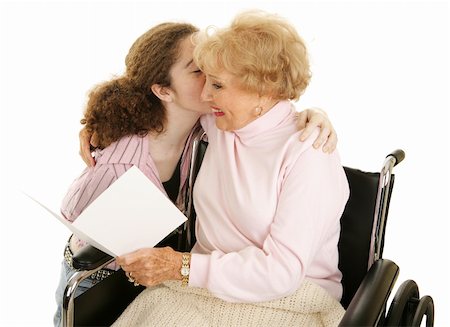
86,188
112,162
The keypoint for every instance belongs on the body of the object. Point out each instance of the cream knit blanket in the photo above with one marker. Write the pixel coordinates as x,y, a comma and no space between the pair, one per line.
172,305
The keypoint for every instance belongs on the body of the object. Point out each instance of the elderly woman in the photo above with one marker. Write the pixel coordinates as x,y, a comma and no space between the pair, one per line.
268,206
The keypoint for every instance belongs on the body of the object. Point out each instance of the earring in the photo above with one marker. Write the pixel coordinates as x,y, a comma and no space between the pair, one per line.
258,111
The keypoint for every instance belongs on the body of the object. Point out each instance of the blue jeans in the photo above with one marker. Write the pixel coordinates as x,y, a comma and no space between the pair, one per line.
66,273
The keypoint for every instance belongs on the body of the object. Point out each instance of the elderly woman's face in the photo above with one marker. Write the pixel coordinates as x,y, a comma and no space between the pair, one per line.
233,107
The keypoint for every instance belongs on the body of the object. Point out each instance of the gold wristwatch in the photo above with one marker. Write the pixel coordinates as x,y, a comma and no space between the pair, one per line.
185,268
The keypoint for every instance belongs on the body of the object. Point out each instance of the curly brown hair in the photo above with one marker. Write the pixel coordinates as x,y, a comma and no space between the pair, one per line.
126,105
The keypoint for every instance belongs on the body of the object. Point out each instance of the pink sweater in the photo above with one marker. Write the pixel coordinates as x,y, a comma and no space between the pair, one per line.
268,209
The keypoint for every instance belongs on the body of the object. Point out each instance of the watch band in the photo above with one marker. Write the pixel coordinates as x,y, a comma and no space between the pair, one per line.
185,268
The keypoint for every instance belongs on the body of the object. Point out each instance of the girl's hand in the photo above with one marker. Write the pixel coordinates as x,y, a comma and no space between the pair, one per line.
86,140
308,120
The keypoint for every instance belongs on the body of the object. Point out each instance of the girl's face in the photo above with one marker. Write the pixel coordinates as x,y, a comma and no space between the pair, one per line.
233,107
187,80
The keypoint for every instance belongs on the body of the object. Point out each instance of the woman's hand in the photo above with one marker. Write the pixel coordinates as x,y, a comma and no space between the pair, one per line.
86,140
152,266
308,120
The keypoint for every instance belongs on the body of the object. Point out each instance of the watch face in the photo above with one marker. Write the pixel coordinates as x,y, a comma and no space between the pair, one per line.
185,271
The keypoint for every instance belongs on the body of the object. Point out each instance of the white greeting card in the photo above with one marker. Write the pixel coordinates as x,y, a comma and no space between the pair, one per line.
131,214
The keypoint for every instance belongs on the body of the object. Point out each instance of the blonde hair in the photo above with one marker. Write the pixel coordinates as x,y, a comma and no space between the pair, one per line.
263,50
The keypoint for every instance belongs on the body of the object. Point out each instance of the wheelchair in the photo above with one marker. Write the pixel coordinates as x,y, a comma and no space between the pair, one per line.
367,281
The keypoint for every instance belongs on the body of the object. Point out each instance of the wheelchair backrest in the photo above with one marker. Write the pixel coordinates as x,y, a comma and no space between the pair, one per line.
357,230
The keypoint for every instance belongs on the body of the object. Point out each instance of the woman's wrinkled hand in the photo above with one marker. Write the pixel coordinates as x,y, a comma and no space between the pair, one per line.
308,120
152,266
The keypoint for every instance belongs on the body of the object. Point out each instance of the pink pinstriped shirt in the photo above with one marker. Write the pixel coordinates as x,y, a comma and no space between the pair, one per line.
111,163
268,210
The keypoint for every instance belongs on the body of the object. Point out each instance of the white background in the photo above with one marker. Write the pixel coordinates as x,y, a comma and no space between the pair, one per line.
380,69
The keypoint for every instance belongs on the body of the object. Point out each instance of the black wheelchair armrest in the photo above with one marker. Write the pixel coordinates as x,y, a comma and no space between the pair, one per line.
370,299
89,258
